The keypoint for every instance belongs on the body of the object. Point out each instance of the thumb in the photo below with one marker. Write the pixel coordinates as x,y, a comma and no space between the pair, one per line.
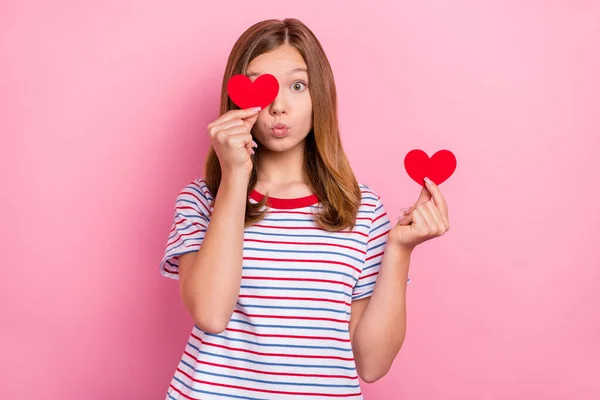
424,196
250,121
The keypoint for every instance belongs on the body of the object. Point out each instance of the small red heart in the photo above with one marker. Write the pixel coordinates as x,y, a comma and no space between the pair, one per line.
246,94
438,168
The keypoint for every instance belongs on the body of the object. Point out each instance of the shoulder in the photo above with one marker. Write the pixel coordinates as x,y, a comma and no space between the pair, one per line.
196,194
372,204
368,194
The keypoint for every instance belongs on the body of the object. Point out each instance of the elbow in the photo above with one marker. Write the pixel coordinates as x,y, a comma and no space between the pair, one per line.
375,371
209,325
208,318
373,376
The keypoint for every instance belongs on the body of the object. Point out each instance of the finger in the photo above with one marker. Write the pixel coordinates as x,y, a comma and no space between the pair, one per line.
424,196
250,121
233,114
419,222
405,219
221,136
439,199
225,125
427,217
437,216
240,140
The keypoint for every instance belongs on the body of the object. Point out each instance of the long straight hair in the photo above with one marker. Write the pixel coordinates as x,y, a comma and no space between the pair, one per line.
326,166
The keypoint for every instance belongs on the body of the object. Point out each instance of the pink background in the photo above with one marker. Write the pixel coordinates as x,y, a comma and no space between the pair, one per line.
103,114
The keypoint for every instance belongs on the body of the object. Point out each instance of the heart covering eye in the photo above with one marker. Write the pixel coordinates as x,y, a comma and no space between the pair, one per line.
246,94
438,168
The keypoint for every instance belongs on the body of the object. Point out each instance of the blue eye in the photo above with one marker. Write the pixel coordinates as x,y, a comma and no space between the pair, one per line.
299,83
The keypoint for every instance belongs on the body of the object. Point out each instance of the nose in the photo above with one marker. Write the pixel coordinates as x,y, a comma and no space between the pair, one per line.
278,106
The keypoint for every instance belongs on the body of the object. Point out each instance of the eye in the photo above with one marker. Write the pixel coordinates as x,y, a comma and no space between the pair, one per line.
295,85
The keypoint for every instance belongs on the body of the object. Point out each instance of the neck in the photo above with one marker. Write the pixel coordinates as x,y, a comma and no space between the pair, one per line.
282,167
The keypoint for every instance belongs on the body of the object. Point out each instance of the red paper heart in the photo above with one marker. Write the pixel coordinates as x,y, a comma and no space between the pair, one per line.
246,94
438,168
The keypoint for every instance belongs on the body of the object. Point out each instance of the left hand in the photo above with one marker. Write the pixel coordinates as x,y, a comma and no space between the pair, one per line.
427,219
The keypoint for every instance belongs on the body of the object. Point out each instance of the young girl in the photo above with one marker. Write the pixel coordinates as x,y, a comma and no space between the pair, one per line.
279,251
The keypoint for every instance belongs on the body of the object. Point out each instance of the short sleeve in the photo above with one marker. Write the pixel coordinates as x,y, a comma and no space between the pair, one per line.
376,241
190,222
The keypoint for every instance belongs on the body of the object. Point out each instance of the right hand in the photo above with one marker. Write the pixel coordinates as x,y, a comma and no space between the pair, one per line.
231,138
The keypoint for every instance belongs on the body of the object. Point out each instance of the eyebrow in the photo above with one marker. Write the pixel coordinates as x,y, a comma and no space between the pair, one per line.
291,72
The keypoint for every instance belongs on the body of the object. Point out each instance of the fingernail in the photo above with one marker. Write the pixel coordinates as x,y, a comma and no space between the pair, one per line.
256,108
254,144
428,180
405,209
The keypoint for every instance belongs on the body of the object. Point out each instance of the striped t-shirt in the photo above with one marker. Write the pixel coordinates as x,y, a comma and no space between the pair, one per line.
288,337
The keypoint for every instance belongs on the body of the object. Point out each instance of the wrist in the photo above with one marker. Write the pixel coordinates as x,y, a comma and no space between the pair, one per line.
394,239
235,177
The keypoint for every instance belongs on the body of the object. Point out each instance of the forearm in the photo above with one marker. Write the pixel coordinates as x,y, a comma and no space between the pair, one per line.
381,329
212,283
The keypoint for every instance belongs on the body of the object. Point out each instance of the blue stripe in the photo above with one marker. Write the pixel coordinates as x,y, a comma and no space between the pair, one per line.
295,288
269,363
371,266
372,249
215,393
197,190
299,270
268,382
387,221
305,252
362,295
294,346
248,232
286,326
177,254
295,308
365,285
180,229
301,220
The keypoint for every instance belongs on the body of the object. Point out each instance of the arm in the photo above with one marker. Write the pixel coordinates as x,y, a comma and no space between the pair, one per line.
378,327
378,323
210,278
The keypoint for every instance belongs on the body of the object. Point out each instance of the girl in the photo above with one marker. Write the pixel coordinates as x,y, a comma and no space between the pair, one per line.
279,251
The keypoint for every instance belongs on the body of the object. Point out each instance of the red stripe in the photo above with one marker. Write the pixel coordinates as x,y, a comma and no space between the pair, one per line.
368,276
373,256
253,296
274,211
342,321
267,278
258,390
273,335
306,227
171,272
378,236
184,234
256,371
200,202
258,353
306,243
380,216
174,228
305,261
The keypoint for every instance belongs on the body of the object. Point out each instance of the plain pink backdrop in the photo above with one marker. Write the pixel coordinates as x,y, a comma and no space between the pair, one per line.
103,114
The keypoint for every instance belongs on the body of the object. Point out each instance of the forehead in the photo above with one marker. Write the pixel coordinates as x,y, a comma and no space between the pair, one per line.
280,61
